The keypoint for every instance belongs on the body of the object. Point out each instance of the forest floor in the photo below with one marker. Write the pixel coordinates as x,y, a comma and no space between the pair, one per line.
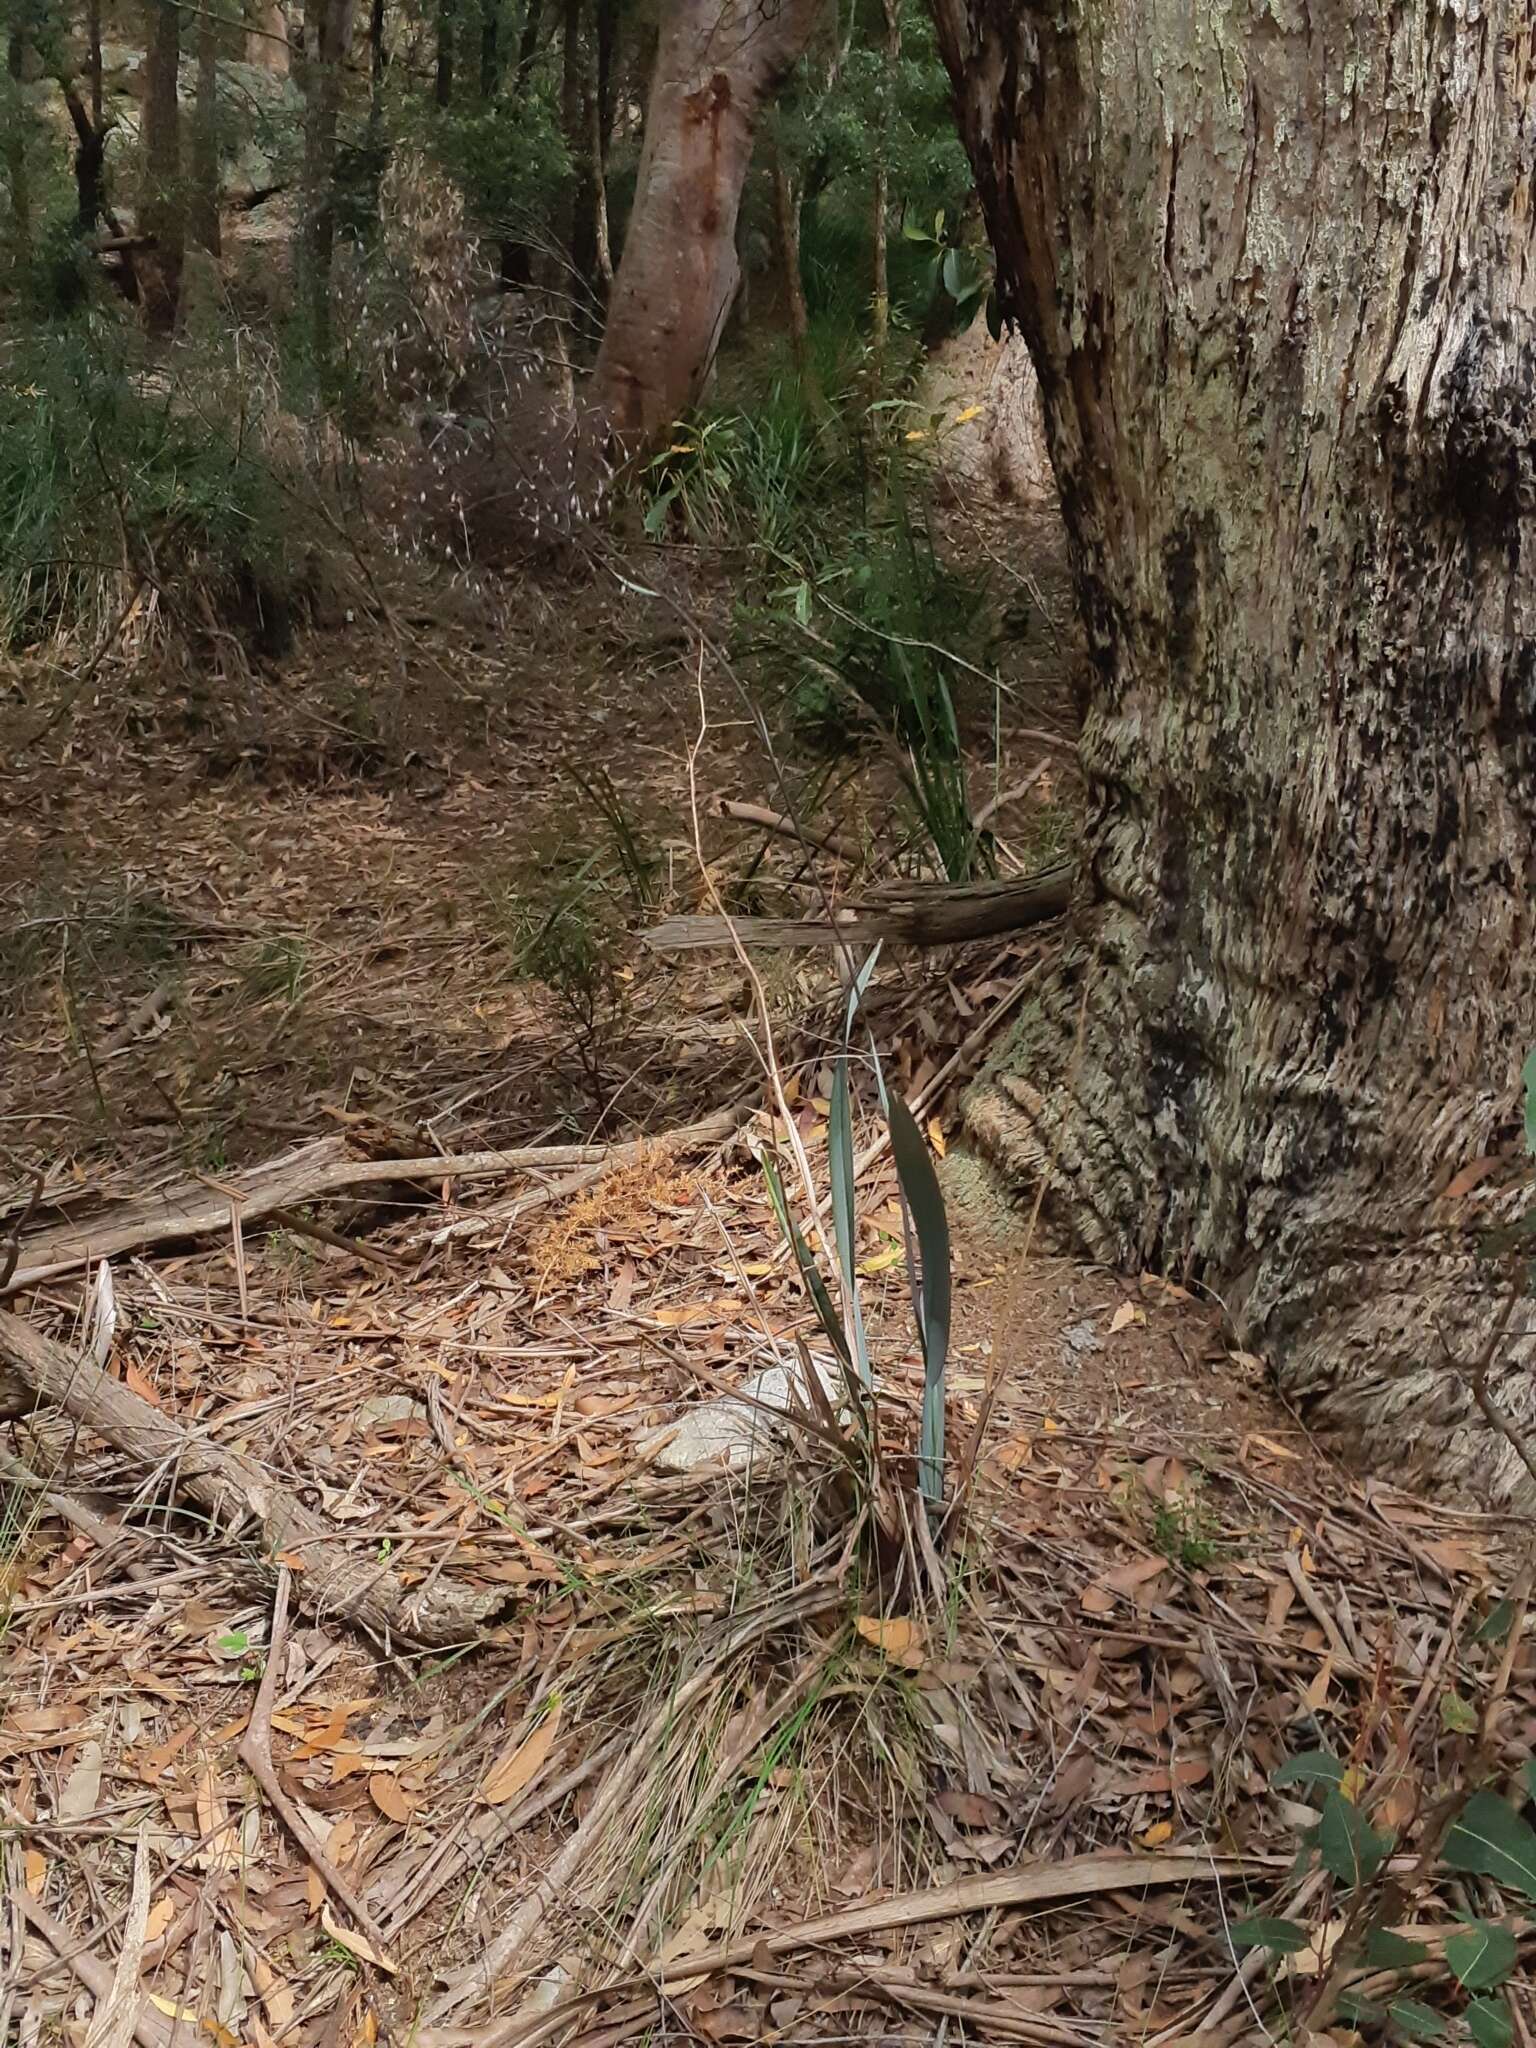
726,1755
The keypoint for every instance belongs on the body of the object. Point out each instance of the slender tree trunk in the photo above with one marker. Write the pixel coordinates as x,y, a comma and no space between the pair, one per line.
490,48
516,256
605,22
528,41
90,163
327,33
442,90
266,42
16,166
90,150
203,222
578,235
718,62
162,200
1278,277
786,217
880,322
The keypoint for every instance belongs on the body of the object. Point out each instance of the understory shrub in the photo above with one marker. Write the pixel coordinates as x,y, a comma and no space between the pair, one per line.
134,498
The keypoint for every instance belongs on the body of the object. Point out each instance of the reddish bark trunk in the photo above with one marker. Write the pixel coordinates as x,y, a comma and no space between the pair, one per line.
717,64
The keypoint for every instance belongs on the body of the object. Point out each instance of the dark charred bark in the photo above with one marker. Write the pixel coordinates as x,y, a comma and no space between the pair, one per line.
516,267
1285,330
718,62
16,166
327,32
490,48
162,201
442,88
90,153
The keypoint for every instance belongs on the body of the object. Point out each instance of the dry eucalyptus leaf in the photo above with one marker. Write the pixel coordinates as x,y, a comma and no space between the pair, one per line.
82,1788
520,1762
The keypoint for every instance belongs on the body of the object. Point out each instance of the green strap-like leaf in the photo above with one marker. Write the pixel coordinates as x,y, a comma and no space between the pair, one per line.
931,1300
844,1221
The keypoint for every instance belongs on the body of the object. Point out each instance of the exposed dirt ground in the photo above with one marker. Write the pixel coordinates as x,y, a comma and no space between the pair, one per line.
1032,1774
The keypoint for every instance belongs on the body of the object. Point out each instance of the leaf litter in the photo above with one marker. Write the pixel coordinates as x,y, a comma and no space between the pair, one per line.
704,1770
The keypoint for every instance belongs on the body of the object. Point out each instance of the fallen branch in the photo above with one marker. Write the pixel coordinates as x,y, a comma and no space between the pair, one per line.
931,914
235,1491
149,2030
1032,1884
204,1208
255,1753
783,827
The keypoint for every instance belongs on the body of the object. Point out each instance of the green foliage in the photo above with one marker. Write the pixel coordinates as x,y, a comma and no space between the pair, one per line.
877,628
1350,1848
1492,1840
1481,1955
1284,1937
638,864
506,155
1482,1834
114,483
567,939
749,477
842,110
1184,1530
925,1227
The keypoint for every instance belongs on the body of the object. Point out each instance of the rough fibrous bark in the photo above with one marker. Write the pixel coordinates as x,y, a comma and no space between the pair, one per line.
717,64
1277,273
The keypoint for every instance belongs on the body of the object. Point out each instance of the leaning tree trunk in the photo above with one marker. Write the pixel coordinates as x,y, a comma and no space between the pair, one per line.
1277,272
717,63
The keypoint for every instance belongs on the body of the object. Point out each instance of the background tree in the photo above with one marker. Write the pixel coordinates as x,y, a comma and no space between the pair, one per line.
1280,288
162,200
718,62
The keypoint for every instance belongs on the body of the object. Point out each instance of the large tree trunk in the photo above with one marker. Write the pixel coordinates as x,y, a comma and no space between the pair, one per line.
162,201
717,63
1277,272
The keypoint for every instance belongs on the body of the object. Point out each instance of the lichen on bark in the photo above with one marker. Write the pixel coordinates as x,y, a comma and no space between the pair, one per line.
1278,277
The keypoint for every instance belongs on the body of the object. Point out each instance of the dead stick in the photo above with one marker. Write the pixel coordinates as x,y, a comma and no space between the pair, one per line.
1031,1884
203,1209
236,1490
148,2028
784,827
255,1752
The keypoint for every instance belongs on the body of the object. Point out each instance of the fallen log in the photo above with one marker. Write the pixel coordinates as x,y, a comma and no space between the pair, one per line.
912,914
237,1493
203,1208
